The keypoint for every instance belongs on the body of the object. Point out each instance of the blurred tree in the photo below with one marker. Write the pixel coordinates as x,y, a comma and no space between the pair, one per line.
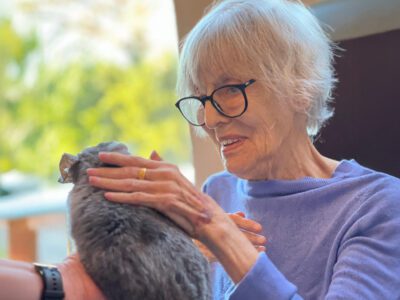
81,104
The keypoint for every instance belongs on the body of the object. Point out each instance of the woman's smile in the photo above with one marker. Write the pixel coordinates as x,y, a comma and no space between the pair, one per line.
230,144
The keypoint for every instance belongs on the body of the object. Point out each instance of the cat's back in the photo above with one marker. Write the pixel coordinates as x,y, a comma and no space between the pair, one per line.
131,252
136,243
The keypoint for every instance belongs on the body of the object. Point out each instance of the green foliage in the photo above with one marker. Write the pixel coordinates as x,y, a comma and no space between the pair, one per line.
3,253
82,104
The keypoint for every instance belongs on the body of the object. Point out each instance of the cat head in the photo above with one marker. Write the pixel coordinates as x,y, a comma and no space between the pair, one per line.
71,166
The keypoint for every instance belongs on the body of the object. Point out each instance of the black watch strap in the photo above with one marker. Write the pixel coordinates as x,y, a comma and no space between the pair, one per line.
52,281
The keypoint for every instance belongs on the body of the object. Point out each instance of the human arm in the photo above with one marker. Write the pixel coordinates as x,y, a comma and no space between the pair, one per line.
262,277
168,191
368,264
20,281
251,230
364,263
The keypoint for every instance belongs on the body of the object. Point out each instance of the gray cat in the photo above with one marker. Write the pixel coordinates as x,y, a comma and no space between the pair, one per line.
131,252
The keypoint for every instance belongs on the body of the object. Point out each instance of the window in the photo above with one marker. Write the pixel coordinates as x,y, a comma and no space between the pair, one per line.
73,74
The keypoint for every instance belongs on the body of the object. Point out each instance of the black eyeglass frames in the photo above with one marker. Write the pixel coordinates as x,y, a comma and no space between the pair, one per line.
229,100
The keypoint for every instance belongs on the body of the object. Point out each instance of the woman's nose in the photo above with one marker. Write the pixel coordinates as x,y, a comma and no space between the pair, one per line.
212,118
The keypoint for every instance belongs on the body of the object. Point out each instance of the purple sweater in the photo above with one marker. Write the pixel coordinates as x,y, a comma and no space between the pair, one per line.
336,238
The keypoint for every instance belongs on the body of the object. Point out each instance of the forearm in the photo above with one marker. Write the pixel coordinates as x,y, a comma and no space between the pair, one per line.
231,247
19,280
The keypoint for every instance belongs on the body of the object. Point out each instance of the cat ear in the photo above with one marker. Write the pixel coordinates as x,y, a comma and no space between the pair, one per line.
66,163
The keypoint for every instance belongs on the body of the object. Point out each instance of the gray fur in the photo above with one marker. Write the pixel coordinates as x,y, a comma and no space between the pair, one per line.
131,252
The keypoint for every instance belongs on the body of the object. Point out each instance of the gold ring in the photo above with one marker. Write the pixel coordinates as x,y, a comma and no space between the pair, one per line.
142,173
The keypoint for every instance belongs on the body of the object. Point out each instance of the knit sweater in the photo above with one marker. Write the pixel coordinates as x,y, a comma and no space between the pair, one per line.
335,238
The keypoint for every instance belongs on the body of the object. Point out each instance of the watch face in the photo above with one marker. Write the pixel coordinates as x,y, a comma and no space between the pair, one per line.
44,265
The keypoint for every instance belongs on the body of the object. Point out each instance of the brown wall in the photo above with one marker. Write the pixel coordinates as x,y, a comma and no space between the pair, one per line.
366,125
205,158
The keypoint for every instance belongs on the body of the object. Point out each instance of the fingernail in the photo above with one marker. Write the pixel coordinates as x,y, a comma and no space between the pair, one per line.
154,156
92,179
103,154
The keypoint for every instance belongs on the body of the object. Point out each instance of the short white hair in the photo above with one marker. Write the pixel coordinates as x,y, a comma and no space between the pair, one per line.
280,43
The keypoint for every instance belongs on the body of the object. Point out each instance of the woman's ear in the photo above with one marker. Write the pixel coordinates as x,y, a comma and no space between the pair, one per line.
67,162
301,100
300,104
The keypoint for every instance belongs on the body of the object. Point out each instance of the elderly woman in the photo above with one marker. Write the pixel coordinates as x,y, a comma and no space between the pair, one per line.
256,76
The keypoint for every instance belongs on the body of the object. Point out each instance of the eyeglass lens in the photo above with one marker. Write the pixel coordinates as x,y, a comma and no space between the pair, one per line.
228,100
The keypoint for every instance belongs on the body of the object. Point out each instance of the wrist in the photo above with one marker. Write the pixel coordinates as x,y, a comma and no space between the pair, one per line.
52,281
19,280
222,237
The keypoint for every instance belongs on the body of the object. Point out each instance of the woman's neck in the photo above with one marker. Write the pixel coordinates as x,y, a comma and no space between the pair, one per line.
296,158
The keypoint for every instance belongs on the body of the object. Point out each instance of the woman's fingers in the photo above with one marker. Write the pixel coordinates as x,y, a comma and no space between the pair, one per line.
160,188
162,173
182,214
251,229
116,173
118,159
261,248
255,239
245,224
241,214
129,185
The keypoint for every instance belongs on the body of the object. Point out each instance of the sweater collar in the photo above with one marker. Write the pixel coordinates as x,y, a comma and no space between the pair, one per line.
274,187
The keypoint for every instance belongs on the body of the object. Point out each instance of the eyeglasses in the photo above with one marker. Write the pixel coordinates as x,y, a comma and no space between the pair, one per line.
229,100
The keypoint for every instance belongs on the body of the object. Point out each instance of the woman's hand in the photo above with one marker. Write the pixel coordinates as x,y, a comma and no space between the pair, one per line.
250,229
77,283
163,188
160,185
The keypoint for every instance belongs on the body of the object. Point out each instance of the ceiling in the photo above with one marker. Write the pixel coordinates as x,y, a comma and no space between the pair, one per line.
310,2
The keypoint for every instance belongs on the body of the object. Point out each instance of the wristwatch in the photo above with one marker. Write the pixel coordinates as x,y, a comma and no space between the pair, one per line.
52,281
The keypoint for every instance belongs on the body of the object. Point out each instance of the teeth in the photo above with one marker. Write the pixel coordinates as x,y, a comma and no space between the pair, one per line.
229,141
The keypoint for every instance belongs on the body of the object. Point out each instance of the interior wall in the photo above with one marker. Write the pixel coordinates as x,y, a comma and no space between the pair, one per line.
366,124
204,155
349,19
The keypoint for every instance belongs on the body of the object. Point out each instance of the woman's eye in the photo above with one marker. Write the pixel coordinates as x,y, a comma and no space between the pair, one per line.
232,90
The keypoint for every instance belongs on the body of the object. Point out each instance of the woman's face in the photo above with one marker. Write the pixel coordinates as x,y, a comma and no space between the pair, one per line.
254,142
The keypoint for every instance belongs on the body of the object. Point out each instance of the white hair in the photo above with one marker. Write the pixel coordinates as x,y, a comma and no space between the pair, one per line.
277,42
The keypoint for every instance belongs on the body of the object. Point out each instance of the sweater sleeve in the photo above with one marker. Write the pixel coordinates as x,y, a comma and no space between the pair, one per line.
368,263
367,266
364,260
263,281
